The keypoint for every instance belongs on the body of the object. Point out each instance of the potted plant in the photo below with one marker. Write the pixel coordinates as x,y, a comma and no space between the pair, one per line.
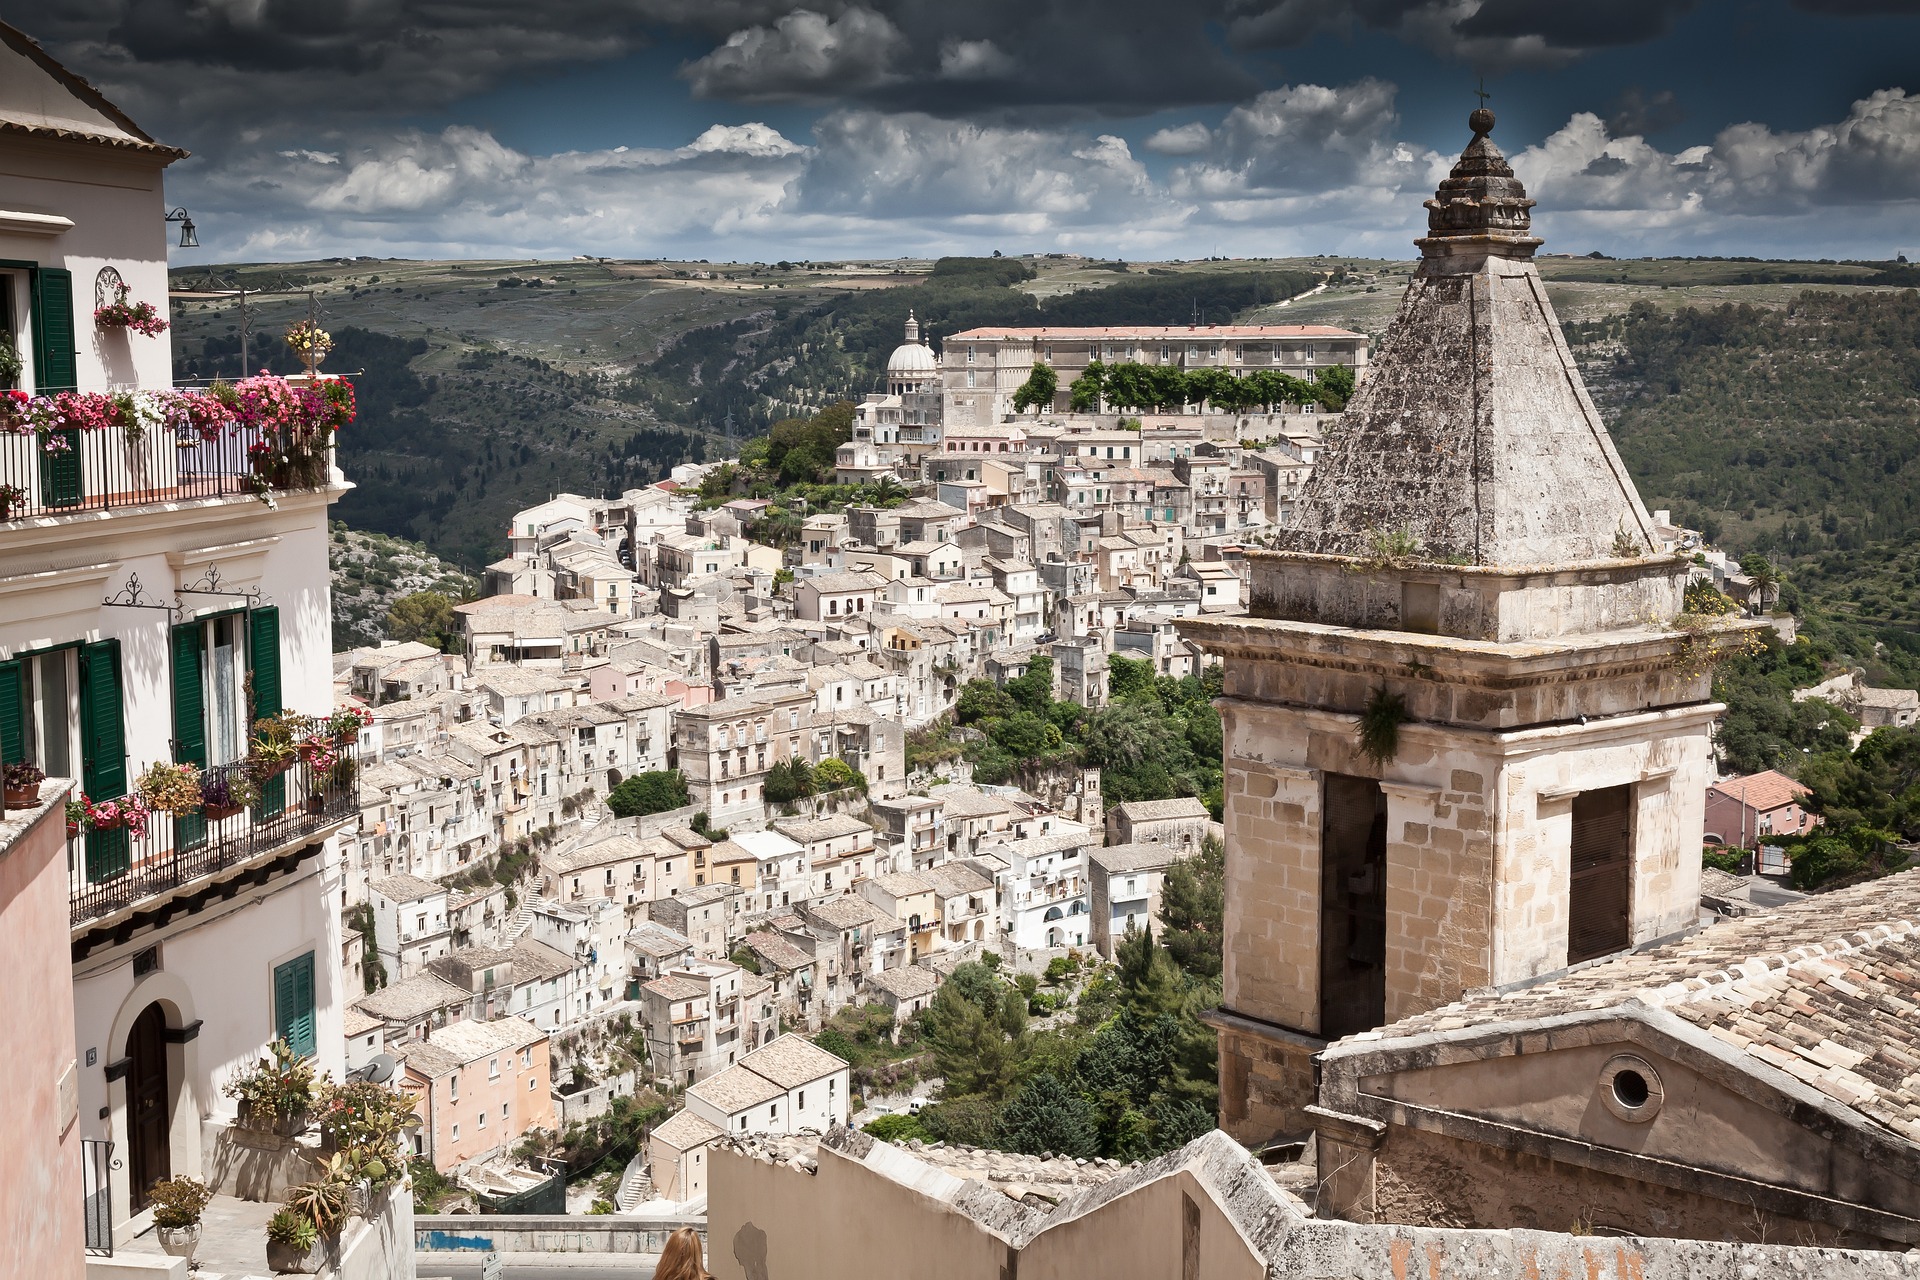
293,1244
170,788
22,785
276,1093
225,792
177,1206
12,498
274,744
128,812
345,724
137,316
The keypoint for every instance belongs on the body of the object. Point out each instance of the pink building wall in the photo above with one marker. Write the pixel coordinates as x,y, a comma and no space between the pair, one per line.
40,1192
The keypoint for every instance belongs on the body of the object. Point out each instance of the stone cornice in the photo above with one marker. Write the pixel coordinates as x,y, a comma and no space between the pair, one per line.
1485,664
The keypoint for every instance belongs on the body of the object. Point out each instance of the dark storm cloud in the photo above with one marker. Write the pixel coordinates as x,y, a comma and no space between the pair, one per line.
1127,56
1638,113
1560,24
1860,8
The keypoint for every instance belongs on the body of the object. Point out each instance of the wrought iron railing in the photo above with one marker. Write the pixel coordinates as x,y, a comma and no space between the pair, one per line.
109,870
96,1185
72,469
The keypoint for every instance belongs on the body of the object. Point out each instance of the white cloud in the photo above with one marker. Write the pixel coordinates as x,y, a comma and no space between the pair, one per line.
803,55
1303,169
742,139
1180,140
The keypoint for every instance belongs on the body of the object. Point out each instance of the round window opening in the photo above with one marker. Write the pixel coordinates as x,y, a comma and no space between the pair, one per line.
1630,1089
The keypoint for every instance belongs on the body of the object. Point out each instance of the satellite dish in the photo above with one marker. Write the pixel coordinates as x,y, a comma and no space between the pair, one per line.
379,1070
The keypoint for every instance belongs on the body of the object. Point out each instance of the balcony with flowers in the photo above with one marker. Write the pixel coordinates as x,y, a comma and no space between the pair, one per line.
78,451
182,826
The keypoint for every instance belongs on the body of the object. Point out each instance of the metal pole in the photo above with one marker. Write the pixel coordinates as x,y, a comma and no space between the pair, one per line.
245,324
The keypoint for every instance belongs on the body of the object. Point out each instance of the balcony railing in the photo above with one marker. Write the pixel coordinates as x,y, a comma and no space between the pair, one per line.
109,870
72,469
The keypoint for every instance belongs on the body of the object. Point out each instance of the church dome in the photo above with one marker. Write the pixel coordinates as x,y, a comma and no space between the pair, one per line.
912,356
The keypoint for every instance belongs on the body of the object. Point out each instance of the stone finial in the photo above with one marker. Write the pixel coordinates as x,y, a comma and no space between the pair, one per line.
913,327
1481,207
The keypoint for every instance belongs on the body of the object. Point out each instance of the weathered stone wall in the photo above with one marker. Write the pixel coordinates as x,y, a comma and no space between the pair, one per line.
1429,1179
1266,1083
1272,817
1205,1211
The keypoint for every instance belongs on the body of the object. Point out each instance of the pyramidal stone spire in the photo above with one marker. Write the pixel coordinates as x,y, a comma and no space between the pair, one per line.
1474,435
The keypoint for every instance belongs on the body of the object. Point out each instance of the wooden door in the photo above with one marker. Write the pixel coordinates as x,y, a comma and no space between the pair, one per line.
148,1123
1600,889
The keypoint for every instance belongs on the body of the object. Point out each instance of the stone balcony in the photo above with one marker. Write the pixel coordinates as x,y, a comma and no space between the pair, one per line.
233,1244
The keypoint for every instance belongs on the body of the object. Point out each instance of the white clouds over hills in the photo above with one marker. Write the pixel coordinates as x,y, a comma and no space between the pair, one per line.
1299,169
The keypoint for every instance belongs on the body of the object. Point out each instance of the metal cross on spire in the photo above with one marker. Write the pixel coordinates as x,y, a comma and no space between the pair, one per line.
1481,91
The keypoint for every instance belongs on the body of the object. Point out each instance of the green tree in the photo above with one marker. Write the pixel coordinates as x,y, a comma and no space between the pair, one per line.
426,616
645,793
1048,1115
789,780
833,773
1032,690
1084,395
1335,383
1192,910
899,1129
970,1048
1129,677
981,699
1038,390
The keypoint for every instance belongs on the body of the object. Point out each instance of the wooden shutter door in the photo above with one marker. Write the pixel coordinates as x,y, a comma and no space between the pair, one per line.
189,723
13,719
1600,889
56,368
55,349
103,769
263,668
293,1004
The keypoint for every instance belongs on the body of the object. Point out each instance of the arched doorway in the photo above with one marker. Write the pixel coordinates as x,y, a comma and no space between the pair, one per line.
149,1126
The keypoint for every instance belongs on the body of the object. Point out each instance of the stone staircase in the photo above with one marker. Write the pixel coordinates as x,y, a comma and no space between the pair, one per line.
635,1187
522,919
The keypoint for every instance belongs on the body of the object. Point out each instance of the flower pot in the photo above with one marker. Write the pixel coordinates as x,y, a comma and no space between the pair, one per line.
286,1259
316,805
23,797
73,829
179,1242
220,812
267,1120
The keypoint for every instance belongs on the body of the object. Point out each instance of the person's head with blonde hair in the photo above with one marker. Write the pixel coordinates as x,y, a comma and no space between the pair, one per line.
680,1260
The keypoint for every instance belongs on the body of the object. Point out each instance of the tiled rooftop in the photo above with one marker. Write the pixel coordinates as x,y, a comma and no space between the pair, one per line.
1826,990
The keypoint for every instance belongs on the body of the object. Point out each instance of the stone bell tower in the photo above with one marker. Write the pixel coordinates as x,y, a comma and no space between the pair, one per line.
1466,744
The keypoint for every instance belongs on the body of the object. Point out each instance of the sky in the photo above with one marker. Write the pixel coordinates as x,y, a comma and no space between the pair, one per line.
758,130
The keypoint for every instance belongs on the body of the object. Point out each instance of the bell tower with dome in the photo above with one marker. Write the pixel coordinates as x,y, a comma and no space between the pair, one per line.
902,421
1466,722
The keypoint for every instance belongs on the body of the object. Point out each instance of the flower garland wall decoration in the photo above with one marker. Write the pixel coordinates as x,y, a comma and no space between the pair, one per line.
141,317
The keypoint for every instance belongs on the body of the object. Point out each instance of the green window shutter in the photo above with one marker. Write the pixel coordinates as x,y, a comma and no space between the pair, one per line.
263,639
61,480
189,724
55,344
293,1004
13,720
103,750
102,723
189,709
263,668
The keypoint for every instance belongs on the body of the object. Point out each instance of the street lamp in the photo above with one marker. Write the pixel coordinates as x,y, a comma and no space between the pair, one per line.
188,240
